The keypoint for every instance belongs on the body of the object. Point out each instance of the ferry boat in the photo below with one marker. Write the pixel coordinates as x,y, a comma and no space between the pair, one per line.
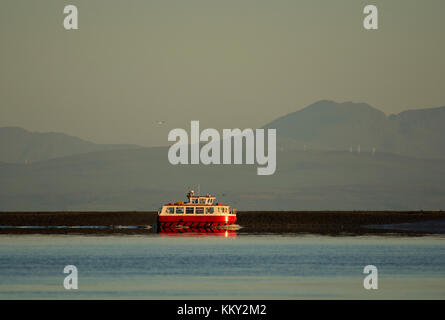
198,212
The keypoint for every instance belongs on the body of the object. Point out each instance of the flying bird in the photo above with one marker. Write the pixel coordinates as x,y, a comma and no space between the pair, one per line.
160,122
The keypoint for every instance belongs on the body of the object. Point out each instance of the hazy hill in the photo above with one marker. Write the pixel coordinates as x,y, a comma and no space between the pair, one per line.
327,125
421,132
143,179
324,125
73,174
18,145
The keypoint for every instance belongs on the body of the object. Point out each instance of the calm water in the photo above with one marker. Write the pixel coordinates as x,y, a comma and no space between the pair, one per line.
206,267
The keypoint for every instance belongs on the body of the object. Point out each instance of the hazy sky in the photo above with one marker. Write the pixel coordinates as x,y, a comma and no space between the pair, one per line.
227,63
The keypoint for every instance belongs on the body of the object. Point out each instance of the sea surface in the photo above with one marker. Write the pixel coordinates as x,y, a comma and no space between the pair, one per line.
243,266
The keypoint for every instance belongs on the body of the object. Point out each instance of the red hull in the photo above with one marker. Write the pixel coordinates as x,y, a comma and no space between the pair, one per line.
204,221
194,232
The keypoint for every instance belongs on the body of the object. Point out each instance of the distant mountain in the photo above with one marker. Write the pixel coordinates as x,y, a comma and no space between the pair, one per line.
327,125
420,132
18,145
52,171
143,179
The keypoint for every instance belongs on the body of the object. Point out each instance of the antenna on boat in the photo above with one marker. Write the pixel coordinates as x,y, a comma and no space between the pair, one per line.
199,189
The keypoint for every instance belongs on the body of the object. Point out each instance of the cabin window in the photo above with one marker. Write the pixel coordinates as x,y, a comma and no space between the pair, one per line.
210,210
200,210
190,210
179,210
194,200
171,210
202,201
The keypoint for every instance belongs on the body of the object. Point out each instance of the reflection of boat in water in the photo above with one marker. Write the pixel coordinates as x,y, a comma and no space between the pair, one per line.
193,232
198,212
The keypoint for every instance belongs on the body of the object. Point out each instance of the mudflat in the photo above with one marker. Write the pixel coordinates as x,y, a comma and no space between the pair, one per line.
317,222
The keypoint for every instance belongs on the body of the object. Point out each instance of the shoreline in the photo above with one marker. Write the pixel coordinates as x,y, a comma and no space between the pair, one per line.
255,222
